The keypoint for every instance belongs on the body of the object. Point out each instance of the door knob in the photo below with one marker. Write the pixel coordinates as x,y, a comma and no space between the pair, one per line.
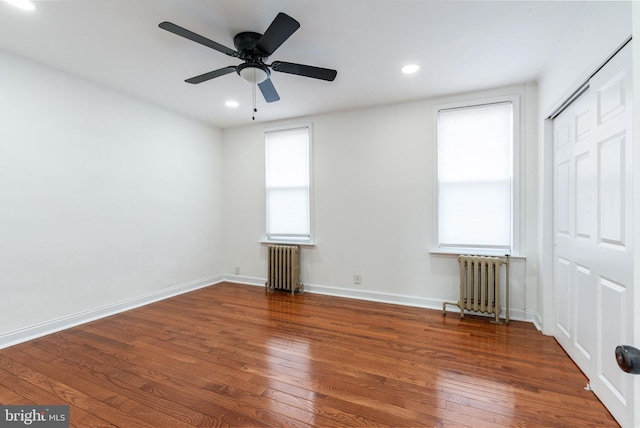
628,359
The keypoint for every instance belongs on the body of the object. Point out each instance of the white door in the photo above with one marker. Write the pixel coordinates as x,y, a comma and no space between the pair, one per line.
593,232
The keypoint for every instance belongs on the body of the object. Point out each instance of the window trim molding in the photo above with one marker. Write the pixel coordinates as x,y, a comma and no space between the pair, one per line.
287,127
513,96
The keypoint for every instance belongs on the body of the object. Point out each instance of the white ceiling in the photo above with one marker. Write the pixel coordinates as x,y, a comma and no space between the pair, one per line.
460,46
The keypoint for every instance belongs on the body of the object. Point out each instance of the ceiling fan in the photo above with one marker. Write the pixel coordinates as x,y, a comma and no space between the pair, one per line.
254,49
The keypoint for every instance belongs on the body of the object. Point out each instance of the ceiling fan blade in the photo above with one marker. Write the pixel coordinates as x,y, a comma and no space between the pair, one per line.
282,27
212,74
304,70
183,32
268,91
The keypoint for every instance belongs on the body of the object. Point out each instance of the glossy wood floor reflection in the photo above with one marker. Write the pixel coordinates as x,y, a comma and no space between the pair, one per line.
231,355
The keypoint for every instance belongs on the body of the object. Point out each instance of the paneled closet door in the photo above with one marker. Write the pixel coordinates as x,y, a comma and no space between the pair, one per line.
593,232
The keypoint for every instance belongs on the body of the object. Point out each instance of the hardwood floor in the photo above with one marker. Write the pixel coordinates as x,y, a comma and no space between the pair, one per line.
231,355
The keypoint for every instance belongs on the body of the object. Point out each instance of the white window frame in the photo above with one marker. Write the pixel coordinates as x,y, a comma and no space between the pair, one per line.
284,238
516,211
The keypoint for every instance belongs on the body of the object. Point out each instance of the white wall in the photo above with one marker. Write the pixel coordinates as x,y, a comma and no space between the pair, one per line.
603,27
374,184
106,202
114,201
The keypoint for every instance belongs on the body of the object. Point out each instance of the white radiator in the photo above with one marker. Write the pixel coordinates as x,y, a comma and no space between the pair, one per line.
283,269
480,286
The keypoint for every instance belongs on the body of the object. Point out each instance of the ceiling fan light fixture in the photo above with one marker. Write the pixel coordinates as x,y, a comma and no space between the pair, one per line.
232,104
253,73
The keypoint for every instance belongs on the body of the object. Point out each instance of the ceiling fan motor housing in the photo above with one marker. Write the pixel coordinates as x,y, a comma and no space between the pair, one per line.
245,44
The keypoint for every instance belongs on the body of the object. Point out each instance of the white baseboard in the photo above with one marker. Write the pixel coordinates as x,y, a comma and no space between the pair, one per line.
377,296
248,280
537,321
351,293
42,329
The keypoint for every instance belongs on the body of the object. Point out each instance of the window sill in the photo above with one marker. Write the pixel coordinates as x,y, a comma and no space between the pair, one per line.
453,252
309,244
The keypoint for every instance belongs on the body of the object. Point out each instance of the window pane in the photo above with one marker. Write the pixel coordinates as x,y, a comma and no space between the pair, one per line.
468,220
475,143
287,158
475,176
288,212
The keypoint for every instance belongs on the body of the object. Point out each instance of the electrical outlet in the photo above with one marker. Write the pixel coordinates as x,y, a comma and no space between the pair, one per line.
237,270
357,278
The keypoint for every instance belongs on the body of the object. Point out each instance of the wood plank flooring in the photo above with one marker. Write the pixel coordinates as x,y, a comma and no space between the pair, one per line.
231,355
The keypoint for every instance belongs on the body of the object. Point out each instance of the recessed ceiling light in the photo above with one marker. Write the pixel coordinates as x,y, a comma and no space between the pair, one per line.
232,104
22,4
411,68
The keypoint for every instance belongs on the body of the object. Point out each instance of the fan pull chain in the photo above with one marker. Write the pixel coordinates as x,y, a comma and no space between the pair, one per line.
253,90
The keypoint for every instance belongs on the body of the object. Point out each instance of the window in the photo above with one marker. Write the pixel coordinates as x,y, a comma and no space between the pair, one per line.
287,180
475,177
